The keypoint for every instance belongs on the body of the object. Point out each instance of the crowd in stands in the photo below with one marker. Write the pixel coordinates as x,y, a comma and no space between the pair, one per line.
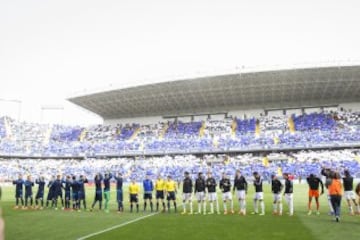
322,129
299,164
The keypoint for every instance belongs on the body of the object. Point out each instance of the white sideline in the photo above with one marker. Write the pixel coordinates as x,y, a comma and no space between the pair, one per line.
116,226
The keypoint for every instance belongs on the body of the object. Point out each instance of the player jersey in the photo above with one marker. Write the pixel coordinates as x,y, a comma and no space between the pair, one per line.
288,186
97,182
148,186
28,187
81,184
41,184
211,184
348,183
276,186
258,184
107,182
187,185
134,188
225,185
67,185
170,186
314,183
240,183
57,186
18,185
200,185
75,186
159,185
119,183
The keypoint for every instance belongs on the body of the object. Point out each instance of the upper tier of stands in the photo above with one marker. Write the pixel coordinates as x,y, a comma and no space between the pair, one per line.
325,129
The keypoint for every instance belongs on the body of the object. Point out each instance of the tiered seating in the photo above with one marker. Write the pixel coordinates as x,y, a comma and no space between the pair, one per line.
127,131
183,130
245,126
312,130
2,128
314,121
65,133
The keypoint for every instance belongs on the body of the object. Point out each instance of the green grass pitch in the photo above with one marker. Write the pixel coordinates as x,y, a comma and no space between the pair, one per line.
52,224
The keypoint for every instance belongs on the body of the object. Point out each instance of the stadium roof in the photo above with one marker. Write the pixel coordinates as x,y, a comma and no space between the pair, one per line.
226,92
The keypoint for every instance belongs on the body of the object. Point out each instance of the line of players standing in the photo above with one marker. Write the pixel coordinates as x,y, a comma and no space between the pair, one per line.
74,190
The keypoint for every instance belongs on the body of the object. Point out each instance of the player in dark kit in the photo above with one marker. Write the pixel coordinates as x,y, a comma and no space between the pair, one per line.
211,189
67,182
349,193
40,192
119,192
240,186
225,186
289,190
57,184
28,191
276,188
199,190
187,191
19,183
98,191
82,195
51,193
75,193
148,189
314,183
259,194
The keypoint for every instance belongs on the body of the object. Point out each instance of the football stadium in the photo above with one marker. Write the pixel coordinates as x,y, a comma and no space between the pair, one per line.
250,153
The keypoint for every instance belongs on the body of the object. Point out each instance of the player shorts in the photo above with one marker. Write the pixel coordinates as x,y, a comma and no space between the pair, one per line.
212,196
314,193
39,195
288,197
240,194
147,196
227,196
200,196
119,195
98,196
258,196
277,197
58,195
28,195
159,194
50,196
75,196
349,195
171,196
187,196
134,198
81,195
18,194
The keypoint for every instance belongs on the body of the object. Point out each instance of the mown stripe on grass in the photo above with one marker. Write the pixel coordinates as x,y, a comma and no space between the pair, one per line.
115,227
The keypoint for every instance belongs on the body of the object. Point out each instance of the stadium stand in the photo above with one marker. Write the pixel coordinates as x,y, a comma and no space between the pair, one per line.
324,129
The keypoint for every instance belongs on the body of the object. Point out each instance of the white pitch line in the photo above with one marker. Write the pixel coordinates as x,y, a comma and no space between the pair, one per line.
116,226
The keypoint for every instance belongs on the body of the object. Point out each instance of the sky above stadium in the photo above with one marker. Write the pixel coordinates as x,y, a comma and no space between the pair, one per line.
51,50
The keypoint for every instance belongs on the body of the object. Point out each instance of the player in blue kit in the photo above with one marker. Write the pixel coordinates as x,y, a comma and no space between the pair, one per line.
57,185
40,193
51,193
28,191
98,191
119,192
75,193
67,182
19,183
82,196
148,189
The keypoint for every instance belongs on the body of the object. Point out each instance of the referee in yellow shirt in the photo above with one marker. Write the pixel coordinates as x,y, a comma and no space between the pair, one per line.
170,188
134,190
159,187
